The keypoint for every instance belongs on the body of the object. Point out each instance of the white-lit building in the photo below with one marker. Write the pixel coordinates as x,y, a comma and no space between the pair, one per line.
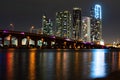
63,24
86,29
47,26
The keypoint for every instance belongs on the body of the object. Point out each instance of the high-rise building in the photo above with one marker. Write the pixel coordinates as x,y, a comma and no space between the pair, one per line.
96,23
63,24
85,31
47,26
76,34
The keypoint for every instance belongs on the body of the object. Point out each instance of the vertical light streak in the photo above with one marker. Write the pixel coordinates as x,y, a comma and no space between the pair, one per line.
32,66
119,61
76,68
98,64
58,65
65,65
9,65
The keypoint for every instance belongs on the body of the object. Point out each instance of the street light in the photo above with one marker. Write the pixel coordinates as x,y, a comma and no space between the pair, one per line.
11,27
32,27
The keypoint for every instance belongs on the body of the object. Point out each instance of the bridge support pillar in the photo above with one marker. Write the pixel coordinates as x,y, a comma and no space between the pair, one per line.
3,41
48,43
36,42
19,42
10,45
60,43
28,41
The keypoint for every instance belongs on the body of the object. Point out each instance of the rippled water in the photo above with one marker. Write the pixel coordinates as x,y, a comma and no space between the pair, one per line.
32,64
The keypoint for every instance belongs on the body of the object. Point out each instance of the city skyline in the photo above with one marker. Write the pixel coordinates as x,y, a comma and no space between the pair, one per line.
24,14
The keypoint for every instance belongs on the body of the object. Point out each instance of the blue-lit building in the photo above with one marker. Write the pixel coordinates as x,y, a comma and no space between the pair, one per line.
96,23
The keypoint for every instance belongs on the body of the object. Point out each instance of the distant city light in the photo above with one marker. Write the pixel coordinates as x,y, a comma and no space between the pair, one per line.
11,24
102,43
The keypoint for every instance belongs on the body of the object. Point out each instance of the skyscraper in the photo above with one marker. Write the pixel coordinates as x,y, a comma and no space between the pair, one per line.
85,31
47,26
63,24
96,23
76,35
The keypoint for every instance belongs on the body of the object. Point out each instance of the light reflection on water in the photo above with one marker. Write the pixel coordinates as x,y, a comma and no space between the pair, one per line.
9,65
32,65
57,64
98,64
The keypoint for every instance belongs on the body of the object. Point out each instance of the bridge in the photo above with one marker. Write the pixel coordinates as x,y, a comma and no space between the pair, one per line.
18,39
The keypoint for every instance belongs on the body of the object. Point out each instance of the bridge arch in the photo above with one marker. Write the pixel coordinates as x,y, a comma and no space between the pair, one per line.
39,43
10,40
14,41
27,41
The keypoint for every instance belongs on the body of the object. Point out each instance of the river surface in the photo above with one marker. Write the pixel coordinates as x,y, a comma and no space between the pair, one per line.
57,64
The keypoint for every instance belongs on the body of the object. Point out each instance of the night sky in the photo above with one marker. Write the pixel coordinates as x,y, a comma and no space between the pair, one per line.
25,13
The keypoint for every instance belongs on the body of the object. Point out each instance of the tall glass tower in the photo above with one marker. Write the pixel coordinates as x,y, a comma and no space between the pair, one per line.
96,23
85,32
47,26
76,34
63,24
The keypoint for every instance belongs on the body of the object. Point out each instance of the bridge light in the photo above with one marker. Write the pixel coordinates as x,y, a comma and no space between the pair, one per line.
42,39
8,37
5,31
52,37
67,39
11,26
22,33
31,28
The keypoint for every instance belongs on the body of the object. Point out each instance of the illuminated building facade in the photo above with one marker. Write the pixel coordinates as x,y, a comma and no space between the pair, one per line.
85,31
76,34
63,24
47,26
96,24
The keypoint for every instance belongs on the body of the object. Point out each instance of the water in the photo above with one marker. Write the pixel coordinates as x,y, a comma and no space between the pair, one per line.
32,64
